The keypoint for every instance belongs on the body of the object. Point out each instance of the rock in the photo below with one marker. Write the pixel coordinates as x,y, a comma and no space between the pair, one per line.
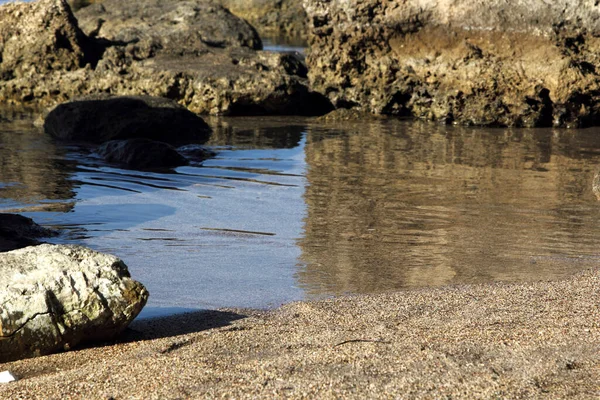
177,27
196,153
141,154
100,119
272,17
525,63
37,38
17,231
54,297
212,70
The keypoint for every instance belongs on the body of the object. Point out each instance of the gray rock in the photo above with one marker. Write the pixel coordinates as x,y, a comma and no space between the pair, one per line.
100,119
141,154
17,231
497,63
54,297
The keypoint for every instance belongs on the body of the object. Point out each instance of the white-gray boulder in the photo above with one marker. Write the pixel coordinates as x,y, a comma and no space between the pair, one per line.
53,297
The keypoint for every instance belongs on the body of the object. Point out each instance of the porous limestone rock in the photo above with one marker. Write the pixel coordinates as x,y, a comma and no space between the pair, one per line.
53,297
519,63
271,17
194,52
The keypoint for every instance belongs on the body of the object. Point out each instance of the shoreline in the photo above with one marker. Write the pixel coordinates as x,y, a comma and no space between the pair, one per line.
506,340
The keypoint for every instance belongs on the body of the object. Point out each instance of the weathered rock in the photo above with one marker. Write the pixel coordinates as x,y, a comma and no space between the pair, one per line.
17,231
54,297
40,38
522,63
271,17
178,27
100,119
141,154
216,71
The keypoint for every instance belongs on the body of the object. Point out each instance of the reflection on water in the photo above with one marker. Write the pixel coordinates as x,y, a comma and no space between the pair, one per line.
291,208
394,205
32,169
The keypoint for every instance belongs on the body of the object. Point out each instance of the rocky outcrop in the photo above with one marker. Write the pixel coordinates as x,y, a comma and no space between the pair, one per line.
271,17
176,27
525,63
17,231
141,154
194,52
100,119
55,297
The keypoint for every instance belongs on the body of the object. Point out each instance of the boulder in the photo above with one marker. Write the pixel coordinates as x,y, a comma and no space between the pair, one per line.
176,27
17,231
495,63
54,297
285,18
100,119
39,38
141,154
194,52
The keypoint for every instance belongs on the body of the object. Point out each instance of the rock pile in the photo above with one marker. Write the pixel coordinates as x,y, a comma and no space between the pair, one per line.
194,52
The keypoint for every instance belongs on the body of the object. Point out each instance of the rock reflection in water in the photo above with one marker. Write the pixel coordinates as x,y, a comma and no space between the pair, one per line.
34,174
394,205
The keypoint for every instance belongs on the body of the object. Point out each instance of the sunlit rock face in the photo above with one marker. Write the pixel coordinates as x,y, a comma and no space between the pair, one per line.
519,63
54,297
194,52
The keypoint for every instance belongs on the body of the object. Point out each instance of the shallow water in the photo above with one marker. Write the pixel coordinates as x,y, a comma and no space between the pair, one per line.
293,209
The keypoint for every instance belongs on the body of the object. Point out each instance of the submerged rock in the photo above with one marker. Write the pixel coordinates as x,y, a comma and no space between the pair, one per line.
529,63
141,154
194,52
17,231
100,119
54,297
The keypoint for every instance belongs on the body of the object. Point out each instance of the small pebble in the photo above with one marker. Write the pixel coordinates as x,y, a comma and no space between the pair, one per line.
6,377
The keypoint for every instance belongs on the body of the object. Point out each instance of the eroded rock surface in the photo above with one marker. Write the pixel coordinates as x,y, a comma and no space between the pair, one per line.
522,63
54,297
271,17
17,231
194,52
101,118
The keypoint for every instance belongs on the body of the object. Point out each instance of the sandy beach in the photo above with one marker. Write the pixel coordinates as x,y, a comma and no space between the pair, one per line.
530,340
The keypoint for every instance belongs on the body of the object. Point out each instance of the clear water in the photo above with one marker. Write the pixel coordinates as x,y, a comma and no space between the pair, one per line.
296,209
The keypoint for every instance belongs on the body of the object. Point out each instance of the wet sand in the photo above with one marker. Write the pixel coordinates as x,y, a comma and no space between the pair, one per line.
531,340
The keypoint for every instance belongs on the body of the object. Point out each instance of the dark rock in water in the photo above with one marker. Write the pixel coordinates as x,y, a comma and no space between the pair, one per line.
196,153
194,52
54,297
97,120
495,63
141,154
17,231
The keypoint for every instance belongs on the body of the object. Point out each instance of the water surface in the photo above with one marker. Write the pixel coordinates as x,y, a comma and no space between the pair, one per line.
293,208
